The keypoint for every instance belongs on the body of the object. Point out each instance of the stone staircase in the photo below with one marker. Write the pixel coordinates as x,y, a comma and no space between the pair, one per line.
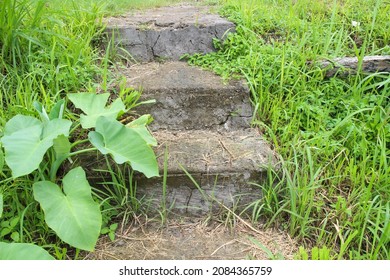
200,121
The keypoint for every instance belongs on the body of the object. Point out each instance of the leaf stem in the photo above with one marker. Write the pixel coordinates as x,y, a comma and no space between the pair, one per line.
74,128
78,143
83,151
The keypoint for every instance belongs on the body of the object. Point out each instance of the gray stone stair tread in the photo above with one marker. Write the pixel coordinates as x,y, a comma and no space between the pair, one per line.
166,17
179,75
206,152
189,97
168,32
225,168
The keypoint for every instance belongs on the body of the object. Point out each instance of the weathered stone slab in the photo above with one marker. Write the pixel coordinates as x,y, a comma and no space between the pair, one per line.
226,166
182,196
209,152
168,32
223,165
345,66
190,98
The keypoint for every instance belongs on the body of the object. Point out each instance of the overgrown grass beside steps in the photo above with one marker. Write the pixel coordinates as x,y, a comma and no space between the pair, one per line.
332,134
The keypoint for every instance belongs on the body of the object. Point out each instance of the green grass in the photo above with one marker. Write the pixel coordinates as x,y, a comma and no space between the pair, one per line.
332,134
47,50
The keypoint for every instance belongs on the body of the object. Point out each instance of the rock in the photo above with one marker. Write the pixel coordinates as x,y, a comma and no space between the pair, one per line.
203,123
224,168
168,32
344,66
190,98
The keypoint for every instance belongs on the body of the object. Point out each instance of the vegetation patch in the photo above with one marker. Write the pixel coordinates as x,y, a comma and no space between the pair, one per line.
45,59
332,134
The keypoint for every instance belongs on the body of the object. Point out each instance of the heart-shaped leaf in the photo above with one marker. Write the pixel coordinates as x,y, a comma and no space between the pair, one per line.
125,145
73,215
93,105
26,140
20,122
23,251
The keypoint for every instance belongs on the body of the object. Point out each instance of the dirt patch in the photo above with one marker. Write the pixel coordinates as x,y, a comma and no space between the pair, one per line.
195,240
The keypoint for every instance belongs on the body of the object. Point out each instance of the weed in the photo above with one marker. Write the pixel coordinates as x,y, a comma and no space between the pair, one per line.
315,253
271,256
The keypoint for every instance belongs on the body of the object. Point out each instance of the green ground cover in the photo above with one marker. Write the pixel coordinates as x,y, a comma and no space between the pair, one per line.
333,189
332,133
50,50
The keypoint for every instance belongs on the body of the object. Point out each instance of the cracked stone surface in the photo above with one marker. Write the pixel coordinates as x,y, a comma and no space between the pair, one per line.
210,152
204,125
201,121
168,32
190,98
224,165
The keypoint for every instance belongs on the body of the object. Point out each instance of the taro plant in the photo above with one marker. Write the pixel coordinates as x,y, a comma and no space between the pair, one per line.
42,145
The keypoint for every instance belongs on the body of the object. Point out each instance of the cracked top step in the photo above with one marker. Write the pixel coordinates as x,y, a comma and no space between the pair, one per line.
168,32
188,97
168,17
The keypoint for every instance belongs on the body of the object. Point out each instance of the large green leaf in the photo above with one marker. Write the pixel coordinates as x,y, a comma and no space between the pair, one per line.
74,216
26,140
93,105
125,145
23,251
20,122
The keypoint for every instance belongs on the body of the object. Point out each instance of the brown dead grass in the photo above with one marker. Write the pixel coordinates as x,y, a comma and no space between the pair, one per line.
194,239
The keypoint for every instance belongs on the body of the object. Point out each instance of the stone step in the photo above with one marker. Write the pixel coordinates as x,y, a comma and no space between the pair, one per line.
204,170
224,165
201,123
190,98
168,32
